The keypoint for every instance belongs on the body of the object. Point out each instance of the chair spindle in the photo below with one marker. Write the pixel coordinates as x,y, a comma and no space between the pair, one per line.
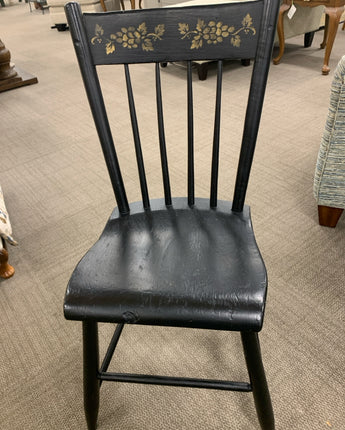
137,143
162,143
216,137
191,196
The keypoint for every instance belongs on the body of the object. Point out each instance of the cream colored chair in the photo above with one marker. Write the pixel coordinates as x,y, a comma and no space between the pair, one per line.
304,21
57,13
329,180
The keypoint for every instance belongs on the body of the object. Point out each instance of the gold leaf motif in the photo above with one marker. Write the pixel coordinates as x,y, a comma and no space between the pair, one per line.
196,44
159,30
183,28
142,28
109,47
215,32
99,30
247,21
130,38
98,35
200,25
236,41
147,45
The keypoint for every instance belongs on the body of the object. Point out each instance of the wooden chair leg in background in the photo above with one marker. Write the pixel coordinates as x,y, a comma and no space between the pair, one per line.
329,216
6,270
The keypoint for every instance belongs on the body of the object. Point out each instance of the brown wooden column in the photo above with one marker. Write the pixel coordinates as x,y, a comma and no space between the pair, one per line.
10,76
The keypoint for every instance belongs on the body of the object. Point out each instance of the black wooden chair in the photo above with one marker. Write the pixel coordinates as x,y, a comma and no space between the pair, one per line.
183,262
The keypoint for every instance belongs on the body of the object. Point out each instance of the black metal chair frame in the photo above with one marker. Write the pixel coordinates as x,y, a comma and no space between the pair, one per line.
94,46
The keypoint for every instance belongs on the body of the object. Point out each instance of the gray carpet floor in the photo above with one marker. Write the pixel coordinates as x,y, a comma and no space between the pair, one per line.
59,197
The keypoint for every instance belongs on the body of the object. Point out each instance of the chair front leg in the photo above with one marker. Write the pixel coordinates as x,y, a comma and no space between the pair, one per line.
91,367
256,371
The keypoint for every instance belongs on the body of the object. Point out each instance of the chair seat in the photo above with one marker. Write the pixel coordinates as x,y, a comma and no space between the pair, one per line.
177,266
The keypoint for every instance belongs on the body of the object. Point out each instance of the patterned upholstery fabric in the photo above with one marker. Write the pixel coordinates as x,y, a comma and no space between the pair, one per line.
329,180
5,225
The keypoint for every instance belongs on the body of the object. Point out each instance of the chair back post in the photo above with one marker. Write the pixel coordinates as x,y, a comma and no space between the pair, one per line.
93,91
255,101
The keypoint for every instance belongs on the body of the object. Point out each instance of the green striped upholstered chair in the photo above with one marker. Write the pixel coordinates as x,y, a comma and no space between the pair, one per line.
329,181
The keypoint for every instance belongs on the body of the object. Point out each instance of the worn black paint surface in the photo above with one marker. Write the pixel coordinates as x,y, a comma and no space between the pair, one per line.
178,266
185,264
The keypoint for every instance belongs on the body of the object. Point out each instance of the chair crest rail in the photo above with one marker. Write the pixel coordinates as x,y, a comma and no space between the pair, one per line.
203,34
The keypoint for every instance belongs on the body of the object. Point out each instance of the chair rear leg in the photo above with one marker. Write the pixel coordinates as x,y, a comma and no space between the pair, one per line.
91,367
262,400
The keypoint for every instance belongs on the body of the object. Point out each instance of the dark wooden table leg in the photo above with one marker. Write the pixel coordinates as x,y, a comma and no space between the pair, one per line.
202,71
308,39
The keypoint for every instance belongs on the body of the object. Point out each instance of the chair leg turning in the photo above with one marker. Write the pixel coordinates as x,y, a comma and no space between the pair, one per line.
91,366
262,400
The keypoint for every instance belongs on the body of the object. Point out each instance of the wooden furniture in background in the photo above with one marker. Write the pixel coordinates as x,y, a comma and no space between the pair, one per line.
333,10
328,216
10,76
38,4
133,4
329,178
123,4
6,270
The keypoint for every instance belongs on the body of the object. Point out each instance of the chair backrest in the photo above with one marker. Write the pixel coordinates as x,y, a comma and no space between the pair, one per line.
211,32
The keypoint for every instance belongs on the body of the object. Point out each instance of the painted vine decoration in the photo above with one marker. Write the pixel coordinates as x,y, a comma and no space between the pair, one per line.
130,38
211,33
215,32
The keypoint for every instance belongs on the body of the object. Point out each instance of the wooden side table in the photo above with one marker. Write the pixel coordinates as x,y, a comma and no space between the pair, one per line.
333,10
